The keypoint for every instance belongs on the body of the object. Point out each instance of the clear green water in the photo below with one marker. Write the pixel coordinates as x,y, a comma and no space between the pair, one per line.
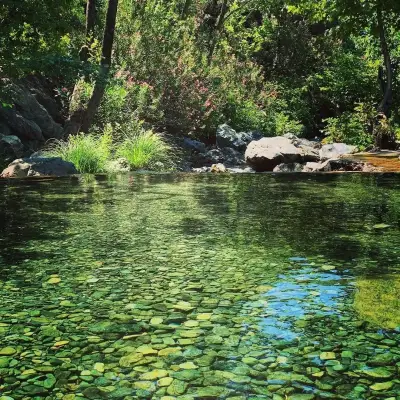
201,287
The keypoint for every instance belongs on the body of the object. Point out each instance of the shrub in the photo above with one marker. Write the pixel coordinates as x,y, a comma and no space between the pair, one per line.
353,128
89,153
144,149
123,97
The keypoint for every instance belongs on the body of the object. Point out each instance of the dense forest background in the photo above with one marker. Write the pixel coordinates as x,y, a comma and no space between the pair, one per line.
326,69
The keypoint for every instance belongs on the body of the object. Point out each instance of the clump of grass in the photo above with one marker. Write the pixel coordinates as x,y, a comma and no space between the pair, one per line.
144,149
88,152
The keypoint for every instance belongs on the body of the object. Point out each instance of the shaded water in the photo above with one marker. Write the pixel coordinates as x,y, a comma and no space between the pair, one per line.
201,287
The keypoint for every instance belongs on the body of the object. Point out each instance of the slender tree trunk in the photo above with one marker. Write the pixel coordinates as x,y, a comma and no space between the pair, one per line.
216,31
383,135
105,65
91,15
82,119
384,106
77,109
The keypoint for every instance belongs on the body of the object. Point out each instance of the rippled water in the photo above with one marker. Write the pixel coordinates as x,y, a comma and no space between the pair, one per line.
201,287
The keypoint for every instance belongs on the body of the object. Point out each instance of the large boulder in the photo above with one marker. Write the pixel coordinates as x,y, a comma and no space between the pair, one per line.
268,153
31,109
336,150
228,137
10,149
265,154
44,92
27,117
22,127
39,166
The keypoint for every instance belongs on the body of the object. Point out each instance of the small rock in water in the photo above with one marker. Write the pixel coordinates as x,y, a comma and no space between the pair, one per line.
7,351
381,226
327,355
382,386
297,259
218,168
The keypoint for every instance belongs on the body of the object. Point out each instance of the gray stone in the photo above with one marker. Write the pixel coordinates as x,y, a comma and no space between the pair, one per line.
228,137
201,170
21,127
26,167
11,148
307,143
218,168
226,155
315,166
293,167
32,110
241,170
336,150
194,145
338,164
17,169
44,92
47,102
308,153
290,136
266,153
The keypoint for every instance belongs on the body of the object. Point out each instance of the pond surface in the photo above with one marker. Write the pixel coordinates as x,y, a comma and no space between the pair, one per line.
201,287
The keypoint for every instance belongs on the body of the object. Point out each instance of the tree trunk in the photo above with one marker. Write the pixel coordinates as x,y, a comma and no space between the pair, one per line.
384,138
73,125
105,65
216,31
91,14
384,106
82,119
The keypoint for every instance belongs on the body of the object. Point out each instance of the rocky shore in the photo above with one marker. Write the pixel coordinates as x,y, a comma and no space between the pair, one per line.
250,152
35,117
233,152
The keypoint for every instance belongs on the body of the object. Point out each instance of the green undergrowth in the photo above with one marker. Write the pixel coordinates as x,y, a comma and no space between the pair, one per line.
93,153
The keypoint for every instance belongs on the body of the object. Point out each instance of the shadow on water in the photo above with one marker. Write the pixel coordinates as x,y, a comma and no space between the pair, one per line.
333,214
23,206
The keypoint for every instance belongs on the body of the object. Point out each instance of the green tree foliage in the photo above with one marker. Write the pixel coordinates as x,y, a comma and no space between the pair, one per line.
185,66
39,35
377,20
